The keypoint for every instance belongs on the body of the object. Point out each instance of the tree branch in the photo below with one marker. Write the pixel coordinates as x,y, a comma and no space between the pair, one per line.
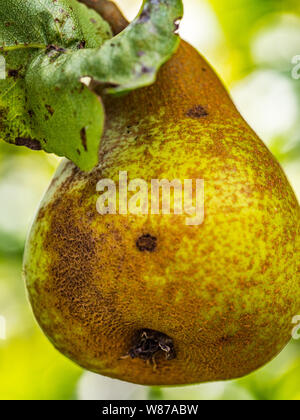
110,12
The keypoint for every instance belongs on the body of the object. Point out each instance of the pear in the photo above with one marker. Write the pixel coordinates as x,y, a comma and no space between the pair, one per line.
148,298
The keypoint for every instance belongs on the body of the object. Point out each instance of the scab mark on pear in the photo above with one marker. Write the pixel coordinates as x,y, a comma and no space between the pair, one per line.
148,343
146,243
197,111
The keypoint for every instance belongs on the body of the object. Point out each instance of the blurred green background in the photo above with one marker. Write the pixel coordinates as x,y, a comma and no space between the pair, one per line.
251,44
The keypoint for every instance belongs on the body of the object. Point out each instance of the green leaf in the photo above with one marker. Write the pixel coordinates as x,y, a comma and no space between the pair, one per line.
50,46
54,119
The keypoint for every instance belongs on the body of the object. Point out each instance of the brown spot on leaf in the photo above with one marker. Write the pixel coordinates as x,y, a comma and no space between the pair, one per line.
32,144
52,47
146,69
110,12
49,109
177,25
144,16
83,138
81,45
13,73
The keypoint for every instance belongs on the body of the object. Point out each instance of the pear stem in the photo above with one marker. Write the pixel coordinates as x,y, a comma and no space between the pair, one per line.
110,12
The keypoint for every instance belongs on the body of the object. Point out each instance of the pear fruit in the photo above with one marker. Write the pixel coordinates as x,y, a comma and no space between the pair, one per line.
147,298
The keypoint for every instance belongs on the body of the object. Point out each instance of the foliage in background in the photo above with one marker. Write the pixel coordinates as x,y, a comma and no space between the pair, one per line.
259,39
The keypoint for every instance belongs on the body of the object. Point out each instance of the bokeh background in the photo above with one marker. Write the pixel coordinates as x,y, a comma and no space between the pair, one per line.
251,44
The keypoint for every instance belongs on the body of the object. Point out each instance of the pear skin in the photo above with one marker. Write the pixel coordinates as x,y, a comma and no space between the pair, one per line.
224,292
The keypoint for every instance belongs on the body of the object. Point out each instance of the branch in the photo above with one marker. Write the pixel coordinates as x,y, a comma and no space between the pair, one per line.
110,12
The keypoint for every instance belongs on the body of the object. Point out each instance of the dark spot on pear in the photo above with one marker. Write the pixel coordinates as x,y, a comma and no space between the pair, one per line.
146,243
226,339
197,111
148,343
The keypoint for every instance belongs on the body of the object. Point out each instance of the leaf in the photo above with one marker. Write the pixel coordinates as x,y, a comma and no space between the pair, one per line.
52,119
50,46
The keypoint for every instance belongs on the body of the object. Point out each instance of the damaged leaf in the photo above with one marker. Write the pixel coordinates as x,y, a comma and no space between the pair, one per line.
49,46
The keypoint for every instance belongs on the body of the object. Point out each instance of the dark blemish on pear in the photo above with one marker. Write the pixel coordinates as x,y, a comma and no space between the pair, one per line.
28,142
146,243
83,138
148,343
226,339
197,111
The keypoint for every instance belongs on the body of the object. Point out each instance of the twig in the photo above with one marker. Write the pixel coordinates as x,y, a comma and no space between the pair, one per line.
110,12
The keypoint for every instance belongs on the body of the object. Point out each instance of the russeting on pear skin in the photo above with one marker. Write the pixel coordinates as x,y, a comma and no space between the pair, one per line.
147,298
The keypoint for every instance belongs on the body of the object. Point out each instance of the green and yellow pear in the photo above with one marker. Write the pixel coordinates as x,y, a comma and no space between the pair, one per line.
149,298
